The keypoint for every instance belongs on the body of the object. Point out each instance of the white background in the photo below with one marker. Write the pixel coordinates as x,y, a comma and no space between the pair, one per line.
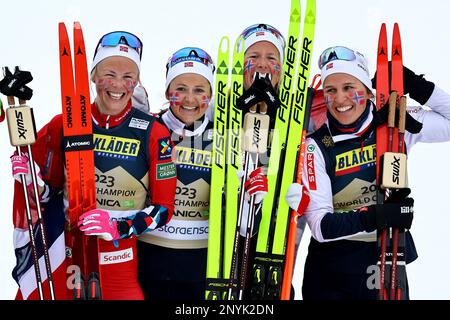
29,32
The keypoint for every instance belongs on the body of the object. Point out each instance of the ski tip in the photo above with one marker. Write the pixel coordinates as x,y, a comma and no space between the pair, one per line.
61,26
224,44
383,27
396,30
239,45
77,25
382,41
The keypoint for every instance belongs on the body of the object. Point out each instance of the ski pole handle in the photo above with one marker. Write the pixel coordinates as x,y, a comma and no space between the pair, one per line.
21,126
392,104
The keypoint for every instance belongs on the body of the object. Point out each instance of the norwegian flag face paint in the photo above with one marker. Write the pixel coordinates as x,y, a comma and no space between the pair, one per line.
249,67
174,99
205,102
275,69
328,101
358,97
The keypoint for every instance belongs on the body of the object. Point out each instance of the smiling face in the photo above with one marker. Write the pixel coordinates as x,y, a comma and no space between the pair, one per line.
115,79
262,57
346,97
189,95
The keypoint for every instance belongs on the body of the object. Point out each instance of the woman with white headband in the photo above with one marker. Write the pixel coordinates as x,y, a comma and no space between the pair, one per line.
135,175
343,213
172,259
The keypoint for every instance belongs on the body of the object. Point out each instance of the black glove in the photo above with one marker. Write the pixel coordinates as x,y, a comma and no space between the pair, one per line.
15,84
381,117
396,212
415,85
261,90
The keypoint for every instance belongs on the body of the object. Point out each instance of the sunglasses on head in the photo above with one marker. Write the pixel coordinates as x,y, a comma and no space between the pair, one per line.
190,54
337,53
115,38
263,27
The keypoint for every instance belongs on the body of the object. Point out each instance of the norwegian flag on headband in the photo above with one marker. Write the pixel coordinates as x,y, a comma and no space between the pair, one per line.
189,64
123,48
260,33
330,65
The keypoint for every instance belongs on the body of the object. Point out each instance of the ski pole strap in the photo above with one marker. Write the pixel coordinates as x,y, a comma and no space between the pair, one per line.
15,84
381,116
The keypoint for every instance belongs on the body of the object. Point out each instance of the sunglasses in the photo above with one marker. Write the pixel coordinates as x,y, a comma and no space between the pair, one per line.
338,53
190,54
263,27
115,38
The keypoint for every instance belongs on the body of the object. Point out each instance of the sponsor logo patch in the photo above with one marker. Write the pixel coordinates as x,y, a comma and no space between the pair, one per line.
355,160
164,149
165,171
116,147
311,171
193,157
139,124
116,256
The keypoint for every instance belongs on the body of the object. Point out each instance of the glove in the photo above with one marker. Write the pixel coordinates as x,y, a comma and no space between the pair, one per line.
380,117
416,86
97,222
21,167
396,212
261,90
297,197
15,84
256,185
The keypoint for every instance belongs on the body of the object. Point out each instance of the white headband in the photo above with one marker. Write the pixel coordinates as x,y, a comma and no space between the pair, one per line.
262,35
121,50
190,66
357,68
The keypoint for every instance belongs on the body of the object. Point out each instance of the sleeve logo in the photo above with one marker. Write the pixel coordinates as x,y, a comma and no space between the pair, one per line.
165,171
164,149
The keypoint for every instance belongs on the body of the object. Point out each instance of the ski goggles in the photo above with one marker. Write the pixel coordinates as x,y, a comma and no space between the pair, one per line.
264,27
115,38
337,53
191,54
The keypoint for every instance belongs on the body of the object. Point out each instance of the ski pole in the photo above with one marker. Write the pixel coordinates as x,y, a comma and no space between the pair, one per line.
294,215
22,132
395,293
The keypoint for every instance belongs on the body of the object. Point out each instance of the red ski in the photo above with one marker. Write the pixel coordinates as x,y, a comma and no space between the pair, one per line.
389,138
79,157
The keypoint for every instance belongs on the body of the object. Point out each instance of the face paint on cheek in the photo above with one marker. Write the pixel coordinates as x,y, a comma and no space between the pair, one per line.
174,99
102,84
358,97
130,85
328,101
275,68
249,67
205,102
